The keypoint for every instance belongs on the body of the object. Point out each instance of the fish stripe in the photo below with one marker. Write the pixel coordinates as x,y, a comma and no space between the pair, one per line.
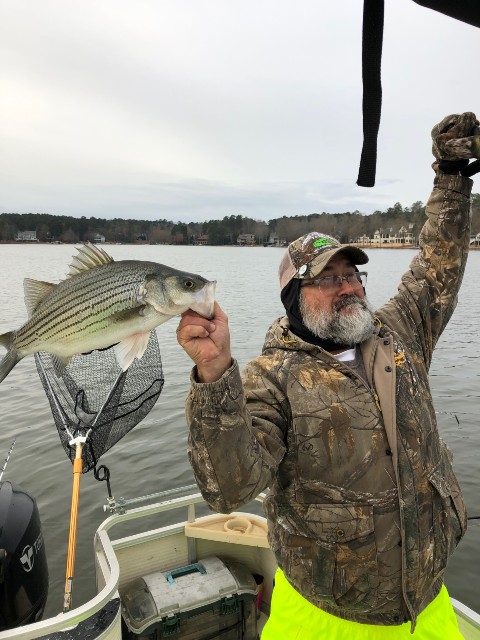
82,301
70,311
70,321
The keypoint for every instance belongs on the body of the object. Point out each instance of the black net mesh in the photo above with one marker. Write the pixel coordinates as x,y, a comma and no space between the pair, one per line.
93,398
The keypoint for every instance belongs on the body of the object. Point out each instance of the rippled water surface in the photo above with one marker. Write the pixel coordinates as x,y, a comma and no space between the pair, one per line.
153,457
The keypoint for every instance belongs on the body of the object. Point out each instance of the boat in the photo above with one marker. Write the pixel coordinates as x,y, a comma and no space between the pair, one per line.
159,533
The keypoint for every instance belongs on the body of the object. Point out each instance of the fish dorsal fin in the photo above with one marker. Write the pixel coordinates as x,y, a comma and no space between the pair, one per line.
35,291
89,256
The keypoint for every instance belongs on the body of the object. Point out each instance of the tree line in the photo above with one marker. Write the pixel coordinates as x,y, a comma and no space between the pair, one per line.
346,226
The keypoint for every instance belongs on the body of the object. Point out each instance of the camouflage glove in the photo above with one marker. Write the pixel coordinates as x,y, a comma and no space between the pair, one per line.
456,139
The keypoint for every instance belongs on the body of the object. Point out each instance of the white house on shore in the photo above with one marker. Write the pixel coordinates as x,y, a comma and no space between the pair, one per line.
246,239
201,240
26,236
401,237
380,237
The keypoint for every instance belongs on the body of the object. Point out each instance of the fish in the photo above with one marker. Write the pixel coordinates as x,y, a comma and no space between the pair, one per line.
103,303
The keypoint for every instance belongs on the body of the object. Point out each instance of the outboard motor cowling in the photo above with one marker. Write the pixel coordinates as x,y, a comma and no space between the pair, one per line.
23,562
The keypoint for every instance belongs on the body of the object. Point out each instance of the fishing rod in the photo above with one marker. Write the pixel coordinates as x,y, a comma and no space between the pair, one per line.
7,458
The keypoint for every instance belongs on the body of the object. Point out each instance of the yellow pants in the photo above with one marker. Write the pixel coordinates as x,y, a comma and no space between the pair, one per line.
292,617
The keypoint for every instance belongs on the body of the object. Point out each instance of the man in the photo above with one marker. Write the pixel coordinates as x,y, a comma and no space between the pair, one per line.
336,418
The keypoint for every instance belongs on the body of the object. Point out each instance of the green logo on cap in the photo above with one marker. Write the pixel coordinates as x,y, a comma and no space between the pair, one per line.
321,242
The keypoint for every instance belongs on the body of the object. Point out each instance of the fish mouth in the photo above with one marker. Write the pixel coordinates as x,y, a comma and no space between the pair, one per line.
205,300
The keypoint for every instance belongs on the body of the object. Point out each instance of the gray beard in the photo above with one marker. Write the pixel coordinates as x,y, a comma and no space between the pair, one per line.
345,329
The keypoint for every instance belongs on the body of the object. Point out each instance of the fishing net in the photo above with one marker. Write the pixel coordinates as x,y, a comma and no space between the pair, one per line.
93,398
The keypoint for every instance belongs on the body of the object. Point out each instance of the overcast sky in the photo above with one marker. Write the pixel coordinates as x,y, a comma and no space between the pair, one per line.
195,109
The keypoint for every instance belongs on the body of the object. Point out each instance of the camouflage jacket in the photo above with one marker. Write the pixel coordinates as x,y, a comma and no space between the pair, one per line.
364,508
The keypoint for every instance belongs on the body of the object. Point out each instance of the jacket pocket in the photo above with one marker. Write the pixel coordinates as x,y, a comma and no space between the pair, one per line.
347,532
448,513
331,553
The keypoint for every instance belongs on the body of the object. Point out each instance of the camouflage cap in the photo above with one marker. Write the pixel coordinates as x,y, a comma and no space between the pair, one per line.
307,256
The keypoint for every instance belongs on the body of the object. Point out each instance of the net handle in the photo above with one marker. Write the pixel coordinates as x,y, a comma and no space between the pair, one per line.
72,536
77,474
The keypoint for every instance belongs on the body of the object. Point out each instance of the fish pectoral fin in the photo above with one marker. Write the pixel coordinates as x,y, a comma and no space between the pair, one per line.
132,347
35,291
89,256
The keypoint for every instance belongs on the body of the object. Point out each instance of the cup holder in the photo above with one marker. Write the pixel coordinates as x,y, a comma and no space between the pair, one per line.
238,524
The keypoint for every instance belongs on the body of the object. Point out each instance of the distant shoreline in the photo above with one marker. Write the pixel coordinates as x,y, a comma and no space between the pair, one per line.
143,244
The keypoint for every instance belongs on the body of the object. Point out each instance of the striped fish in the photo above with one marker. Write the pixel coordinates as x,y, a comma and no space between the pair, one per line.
102,303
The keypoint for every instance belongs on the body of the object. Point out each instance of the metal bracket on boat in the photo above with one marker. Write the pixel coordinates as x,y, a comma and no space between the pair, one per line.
115,506
122,504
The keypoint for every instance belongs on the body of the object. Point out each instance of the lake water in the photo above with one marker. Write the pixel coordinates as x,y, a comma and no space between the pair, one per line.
153,456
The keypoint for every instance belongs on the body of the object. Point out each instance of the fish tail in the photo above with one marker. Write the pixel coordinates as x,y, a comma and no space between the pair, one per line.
12,357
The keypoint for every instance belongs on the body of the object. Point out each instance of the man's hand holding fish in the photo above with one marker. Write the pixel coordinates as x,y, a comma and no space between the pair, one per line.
207,342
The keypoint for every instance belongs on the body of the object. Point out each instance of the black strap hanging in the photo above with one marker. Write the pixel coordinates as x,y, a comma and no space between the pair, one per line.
372,40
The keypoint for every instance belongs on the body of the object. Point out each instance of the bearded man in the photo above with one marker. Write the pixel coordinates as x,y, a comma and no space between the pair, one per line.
336,419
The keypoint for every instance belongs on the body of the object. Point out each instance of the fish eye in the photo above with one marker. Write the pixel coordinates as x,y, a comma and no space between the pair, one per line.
189,284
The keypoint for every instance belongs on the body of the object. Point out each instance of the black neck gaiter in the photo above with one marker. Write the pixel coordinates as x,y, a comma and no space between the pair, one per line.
290,297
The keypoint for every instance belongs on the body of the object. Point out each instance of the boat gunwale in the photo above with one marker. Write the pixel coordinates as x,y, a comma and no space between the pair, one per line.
462,610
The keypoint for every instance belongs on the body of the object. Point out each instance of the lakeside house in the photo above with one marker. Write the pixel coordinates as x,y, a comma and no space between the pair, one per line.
246,240
275,241
475,242
200,241
26,236
381,237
